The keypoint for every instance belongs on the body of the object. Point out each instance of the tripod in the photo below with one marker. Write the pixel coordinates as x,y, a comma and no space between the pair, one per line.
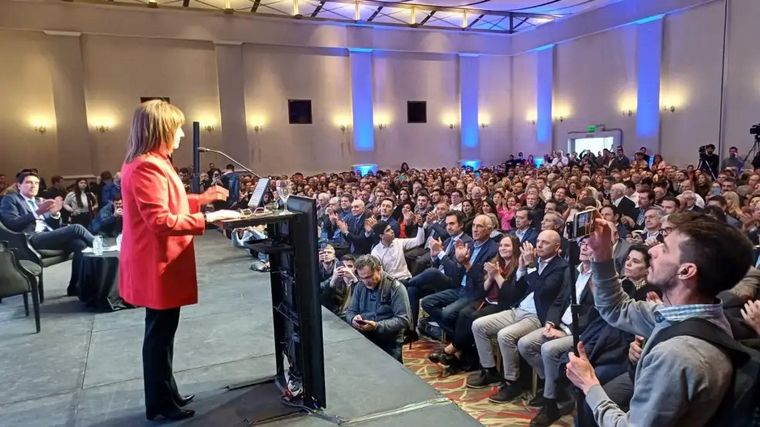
702,166
755,150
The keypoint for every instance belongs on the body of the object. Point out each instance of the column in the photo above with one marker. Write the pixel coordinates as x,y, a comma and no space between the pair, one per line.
469,146
229,70
648,66
76,151
544,99
362,103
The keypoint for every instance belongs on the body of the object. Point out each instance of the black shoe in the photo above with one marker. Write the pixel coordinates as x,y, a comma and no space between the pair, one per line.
71,291
435,356
410,337
185,400
170,414
506,393
484,378
538,400
448,359
547,415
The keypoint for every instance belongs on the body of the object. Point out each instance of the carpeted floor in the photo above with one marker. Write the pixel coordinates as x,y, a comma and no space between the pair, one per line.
474,402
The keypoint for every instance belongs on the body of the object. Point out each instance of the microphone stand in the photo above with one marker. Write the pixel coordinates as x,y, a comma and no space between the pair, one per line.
242,166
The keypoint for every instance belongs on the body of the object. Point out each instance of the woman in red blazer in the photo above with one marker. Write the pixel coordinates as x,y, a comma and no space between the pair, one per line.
157,265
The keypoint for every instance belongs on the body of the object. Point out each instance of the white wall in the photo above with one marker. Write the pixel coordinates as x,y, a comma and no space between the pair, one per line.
274,75
594,76
495,95
120,70
27,97
742,97
402,77
691,80
524,74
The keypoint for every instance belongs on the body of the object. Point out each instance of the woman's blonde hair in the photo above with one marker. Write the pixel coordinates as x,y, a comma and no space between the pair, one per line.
153,123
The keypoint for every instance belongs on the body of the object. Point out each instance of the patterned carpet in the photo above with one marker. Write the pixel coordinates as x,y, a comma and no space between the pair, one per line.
474,402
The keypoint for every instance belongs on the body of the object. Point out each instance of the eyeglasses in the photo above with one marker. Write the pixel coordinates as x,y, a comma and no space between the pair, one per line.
666,230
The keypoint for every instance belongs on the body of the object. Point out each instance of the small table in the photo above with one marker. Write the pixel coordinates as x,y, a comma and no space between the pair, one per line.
99,281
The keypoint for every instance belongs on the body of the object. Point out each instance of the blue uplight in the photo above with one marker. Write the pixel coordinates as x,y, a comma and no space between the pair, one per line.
474,164
366,168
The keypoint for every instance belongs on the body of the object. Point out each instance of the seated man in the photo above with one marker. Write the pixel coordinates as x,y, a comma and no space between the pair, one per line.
444,307
336,294
379,306
446,272
544,298
40,219
108,221
681,381
523,229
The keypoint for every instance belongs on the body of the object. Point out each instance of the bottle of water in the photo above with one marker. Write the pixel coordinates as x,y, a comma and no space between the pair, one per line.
97,245
118,242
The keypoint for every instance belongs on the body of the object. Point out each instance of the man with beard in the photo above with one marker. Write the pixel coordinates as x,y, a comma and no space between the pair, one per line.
680,381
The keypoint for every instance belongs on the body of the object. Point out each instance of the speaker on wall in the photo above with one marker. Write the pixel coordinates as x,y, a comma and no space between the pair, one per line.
416,111
299,111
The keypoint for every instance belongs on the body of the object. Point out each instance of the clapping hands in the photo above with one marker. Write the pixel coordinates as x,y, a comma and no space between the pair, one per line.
462,252
527,255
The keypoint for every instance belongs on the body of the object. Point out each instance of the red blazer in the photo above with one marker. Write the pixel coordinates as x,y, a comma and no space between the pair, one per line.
157,264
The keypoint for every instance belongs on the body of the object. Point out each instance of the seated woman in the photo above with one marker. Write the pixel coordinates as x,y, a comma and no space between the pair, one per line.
500,275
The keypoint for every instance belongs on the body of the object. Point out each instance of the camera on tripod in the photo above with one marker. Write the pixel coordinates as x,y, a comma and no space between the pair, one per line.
755,130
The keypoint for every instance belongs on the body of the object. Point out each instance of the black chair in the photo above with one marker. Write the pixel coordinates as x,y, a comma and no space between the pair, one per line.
32,260
17,280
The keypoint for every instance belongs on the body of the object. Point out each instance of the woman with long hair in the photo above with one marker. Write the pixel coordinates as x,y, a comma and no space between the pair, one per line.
157,265
500,295
81,204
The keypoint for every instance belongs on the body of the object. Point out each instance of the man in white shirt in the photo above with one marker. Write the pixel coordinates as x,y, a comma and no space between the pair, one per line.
456,200
390,250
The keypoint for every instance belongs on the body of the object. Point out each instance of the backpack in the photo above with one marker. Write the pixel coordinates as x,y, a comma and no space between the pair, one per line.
741,404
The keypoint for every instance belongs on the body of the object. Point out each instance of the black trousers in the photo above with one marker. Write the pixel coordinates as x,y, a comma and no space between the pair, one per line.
72,238
158,352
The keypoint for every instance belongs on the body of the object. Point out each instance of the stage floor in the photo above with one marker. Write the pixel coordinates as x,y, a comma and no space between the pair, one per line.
84,368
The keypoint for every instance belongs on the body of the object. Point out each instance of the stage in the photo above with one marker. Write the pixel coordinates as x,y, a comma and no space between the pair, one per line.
85,369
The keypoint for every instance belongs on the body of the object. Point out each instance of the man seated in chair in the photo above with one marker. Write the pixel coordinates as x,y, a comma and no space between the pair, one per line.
40,220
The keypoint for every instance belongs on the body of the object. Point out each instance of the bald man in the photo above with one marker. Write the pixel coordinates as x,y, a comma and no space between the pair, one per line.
543,286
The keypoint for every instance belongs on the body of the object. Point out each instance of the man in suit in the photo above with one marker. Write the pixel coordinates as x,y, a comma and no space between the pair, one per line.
543,348
352,229
418,258
624,205
444,307
620,248
544,298
446,272
524,230
40,219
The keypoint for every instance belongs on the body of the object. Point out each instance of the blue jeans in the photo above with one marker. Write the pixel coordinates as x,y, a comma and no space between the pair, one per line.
444,307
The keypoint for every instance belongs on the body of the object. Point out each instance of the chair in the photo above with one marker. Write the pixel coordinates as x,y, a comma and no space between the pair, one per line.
32,260
16,280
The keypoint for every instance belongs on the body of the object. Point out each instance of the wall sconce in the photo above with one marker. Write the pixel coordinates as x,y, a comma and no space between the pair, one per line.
258,128
382,126
344,128
153,3
628,112
670,108
532,121
451,125
102,128
41,129
559,119
208,128
484,125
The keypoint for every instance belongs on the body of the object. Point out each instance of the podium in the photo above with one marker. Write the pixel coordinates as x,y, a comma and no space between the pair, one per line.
291,245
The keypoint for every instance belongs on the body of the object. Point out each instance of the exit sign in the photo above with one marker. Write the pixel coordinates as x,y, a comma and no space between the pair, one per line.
591,128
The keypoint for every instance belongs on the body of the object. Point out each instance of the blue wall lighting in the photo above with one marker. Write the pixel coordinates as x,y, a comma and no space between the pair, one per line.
364,169
539,161
474,164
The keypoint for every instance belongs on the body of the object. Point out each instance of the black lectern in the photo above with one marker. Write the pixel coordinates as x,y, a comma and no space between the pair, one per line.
292,248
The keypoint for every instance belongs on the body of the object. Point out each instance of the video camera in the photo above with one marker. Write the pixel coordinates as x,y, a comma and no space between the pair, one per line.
755,130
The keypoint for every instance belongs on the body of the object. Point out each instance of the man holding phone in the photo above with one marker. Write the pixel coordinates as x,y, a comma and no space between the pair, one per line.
379,306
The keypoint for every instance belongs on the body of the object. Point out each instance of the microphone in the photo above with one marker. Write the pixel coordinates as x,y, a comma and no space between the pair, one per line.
242,166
